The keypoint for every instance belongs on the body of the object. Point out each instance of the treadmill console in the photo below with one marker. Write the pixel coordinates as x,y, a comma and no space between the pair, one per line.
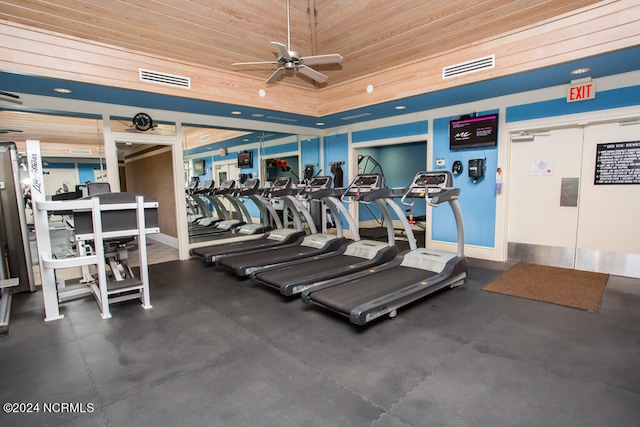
227,184
279,187
281,183
319,183
428,184
206,186
251,184
364,183
248,187
193,184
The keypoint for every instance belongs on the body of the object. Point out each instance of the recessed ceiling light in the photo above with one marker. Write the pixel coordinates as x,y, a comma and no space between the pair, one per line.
62,90
399,107
236,113
320,124
580,70
370,89
262,93
257,115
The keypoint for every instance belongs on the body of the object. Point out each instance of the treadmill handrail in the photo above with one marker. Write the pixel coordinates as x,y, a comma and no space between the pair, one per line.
297,209
447,195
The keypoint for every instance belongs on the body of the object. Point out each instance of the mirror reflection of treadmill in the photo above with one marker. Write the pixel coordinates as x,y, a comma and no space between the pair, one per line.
315,244
227,226
412,275
281,189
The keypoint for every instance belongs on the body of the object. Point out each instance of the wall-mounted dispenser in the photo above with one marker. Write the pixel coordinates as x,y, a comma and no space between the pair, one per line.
456,168
476,169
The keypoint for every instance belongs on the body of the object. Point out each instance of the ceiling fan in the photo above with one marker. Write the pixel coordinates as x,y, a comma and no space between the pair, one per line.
289,60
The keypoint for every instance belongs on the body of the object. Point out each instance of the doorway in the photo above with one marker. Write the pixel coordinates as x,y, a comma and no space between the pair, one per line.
148,168
560,214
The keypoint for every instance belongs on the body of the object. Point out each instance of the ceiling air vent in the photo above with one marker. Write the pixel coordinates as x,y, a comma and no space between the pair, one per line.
164,79
469,67
355,116
79,151
205,138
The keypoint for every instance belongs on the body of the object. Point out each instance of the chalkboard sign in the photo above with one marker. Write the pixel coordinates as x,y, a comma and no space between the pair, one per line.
617,163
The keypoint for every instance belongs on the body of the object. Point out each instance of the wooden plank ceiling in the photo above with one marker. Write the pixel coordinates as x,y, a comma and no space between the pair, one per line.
371,35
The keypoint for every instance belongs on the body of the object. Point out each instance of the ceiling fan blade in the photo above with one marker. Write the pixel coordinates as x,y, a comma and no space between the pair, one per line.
313,74
282,51
322,59
256,63
276,75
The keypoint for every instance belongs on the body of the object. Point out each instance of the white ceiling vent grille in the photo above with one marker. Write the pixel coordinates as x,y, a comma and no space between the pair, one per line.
205,138
469,67
164,79
79,151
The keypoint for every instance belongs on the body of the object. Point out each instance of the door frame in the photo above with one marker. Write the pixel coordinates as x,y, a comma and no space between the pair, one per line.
113,174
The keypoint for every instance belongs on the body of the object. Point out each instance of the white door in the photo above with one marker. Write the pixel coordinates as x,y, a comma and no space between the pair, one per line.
560,216
542,222
609,227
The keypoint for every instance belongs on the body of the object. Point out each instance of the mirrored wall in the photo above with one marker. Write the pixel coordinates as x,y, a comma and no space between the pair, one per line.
226,172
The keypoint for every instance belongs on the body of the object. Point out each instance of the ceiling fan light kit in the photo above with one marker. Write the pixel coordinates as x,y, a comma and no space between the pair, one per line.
289,60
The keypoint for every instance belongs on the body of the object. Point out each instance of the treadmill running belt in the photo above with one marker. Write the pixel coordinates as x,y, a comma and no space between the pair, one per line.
235,247
343,298
276,254
297,273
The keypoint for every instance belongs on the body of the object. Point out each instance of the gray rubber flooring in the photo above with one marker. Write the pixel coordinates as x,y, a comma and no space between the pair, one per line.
217,351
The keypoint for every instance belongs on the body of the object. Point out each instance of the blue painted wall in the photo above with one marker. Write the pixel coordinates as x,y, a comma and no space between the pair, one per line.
336,149
310,155
395,131
85,171
399,163
282,148
477,200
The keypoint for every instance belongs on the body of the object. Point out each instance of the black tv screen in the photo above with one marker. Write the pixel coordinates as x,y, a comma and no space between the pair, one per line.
198,167
472,132
245,159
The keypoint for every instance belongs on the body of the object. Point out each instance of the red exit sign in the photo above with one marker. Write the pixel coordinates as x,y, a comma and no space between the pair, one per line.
581,90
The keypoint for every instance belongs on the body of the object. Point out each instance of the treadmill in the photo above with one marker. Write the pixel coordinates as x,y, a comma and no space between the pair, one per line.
312,245
226,227
282,189
221,212
410,276
208,217
292,279
224,190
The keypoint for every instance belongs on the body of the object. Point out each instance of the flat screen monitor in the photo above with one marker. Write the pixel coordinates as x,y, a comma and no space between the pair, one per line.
473,132
245,159
198,167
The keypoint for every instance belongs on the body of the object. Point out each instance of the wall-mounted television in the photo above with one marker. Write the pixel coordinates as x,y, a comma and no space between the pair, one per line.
198,167
473,132
245,159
